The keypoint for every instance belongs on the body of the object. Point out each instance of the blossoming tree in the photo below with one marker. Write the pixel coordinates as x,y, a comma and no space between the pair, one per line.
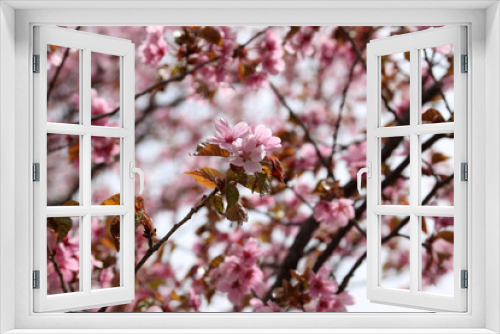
250,139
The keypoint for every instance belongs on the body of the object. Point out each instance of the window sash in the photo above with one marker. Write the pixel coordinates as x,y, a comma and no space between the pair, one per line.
86,43
403,43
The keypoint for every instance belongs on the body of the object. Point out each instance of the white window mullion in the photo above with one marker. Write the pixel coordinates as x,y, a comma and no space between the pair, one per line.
414,169
85,182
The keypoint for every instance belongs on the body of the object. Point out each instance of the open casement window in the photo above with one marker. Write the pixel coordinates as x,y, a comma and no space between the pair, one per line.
409,147
76,150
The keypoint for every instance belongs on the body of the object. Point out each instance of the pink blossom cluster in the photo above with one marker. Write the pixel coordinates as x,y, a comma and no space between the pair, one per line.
271,53
239,274
66,256
323,291
154,47
302,41
248,145
336,213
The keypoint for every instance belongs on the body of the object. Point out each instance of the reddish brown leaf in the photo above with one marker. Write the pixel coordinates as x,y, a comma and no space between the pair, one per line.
438,157
431,115
446,235
206,176
114,230
113,200
211,35
424,225
212,150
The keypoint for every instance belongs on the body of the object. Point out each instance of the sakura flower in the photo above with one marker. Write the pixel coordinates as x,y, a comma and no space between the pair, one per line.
259,306
247,253
247,154
225,136
272,54
264,136
105,277
320,284
257,80
154,46
235,290
194,300
231,268
337,212
355,157
104,149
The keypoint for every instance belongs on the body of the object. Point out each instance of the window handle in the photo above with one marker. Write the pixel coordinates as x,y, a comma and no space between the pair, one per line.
132,170
368,171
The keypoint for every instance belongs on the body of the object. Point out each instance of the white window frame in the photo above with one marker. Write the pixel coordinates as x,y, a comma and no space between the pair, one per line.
86,44
484,102
414,43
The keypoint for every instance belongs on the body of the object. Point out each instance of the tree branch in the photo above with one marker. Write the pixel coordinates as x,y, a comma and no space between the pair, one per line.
52,259
58,70
394,233
297,120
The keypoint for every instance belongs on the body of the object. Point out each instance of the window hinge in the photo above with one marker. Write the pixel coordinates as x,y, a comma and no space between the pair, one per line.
464,279
36,63
36,279
36,172
465,64
464,171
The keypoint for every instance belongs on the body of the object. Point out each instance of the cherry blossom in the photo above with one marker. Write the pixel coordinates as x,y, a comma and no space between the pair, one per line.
336,212
264,137
225,136
235,252
272,53
154,47
320,284
247,154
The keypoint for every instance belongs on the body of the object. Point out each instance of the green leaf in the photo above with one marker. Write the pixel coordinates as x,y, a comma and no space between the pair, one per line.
217,204
210,150
60,226
237,213
232,194
259,182
206,176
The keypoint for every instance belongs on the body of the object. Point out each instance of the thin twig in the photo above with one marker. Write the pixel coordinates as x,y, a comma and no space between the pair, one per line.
52,259
431,65
341,108
300,197
360,57
297,120
174,228
153,248
58,70
394,233
180,77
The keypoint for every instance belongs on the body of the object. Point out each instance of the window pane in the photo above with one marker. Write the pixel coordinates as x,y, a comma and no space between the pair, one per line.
105,169
63,169
105,92
63,255
63,84
105,252
395,252
437,169
437,84
395,88
437,254
395,173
